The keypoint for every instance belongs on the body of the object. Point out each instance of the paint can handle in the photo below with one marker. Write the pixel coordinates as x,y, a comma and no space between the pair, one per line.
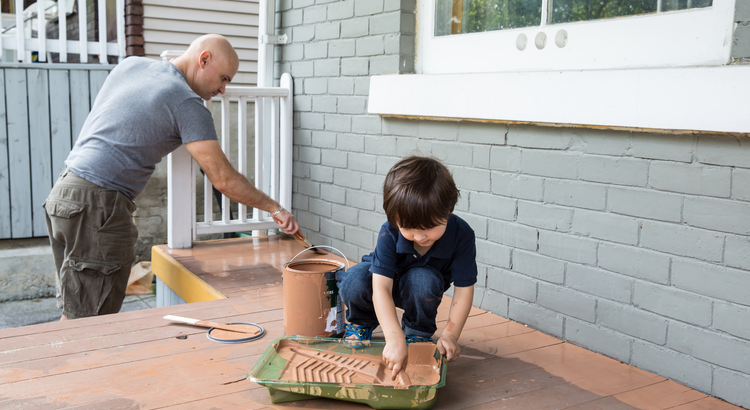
323,246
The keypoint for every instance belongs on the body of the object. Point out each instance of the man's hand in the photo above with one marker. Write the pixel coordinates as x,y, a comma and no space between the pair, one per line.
286,221
449,348
394,355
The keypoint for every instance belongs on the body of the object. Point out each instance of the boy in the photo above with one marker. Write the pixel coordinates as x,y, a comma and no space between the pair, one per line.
421,249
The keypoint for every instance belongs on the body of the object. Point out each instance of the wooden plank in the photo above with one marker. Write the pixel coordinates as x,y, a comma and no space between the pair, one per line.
40,144
167,379
18,153
59,104
79,100
96,80
128,338
257,300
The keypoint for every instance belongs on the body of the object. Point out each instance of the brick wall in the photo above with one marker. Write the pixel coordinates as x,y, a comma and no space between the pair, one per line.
633,245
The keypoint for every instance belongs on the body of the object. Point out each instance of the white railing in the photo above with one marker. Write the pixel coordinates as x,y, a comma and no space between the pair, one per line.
18,36
272,171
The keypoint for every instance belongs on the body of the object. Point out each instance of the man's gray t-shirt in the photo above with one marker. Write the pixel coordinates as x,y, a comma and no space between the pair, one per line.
144,111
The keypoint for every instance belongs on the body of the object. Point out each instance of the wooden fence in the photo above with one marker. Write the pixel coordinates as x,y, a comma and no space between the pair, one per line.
41,116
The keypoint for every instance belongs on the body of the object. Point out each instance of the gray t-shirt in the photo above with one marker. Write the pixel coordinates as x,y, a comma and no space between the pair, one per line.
144,111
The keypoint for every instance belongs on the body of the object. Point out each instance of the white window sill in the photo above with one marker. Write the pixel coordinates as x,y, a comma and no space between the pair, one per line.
676,100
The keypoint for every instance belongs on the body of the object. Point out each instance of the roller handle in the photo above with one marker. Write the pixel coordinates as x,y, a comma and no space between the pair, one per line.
205,323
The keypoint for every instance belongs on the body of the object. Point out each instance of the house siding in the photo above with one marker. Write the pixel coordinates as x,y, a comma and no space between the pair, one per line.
630,244
173,25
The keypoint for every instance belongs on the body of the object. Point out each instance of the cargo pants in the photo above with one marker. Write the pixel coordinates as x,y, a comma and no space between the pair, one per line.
93,238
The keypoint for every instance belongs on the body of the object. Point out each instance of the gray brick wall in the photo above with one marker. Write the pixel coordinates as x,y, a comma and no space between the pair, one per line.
634,245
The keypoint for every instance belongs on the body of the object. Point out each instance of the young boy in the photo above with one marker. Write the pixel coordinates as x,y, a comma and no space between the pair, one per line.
421,250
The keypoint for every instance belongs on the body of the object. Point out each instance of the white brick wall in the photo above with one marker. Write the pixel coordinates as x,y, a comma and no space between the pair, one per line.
635,245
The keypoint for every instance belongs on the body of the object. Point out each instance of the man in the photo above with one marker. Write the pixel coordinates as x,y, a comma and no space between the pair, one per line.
145,110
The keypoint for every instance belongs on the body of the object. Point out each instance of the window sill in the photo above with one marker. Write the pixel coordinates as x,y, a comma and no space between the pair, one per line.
672,100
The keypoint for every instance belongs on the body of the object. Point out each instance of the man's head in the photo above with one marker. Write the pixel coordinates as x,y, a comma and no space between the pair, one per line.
419,193
208,65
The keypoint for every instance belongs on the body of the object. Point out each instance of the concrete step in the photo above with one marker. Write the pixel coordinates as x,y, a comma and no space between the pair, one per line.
27,269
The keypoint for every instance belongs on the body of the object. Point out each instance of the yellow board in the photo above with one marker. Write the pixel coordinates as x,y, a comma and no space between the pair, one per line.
182,281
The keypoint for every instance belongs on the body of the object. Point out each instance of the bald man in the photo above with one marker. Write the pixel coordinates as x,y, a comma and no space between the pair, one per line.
145,110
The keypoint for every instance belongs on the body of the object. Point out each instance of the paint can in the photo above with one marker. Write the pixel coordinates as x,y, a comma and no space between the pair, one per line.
312,305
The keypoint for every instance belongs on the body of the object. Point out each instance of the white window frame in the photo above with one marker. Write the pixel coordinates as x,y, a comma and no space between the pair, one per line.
588,83
680,38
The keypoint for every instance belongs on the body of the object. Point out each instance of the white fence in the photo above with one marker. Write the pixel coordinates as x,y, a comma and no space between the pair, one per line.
272,170
18,36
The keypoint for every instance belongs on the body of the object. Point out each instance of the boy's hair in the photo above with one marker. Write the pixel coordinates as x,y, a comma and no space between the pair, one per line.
419,193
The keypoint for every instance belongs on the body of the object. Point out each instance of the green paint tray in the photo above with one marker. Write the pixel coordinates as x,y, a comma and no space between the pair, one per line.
274,371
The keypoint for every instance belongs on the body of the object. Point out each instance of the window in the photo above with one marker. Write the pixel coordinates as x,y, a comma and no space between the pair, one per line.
651,65
463,36
476,16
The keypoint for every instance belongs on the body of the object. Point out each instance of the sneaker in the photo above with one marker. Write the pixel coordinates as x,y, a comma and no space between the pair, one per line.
418,339
361,332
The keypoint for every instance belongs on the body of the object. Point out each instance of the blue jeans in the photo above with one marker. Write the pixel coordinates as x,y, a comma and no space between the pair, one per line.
417,291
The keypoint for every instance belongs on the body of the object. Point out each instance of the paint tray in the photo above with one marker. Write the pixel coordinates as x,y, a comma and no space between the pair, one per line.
302,368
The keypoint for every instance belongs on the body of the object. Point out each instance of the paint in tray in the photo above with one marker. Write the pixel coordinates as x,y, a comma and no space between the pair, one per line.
303,368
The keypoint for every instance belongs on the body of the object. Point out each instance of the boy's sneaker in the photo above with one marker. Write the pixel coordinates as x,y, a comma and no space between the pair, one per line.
418,339
360,332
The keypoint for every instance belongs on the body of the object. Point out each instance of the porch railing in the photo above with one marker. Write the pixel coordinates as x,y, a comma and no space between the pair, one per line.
18,36
272,171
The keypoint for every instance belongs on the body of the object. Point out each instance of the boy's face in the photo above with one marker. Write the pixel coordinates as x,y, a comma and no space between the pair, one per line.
425,238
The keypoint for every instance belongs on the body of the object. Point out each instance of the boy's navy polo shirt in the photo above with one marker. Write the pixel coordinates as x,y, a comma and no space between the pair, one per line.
454,254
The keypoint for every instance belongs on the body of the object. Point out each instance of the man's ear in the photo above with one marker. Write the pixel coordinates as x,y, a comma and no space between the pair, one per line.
205,57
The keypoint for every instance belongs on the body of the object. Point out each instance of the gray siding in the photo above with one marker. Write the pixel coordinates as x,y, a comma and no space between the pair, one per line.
634,245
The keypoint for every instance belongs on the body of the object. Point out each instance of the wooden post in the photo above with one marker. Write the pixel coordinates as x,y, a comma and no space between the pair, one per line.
458,16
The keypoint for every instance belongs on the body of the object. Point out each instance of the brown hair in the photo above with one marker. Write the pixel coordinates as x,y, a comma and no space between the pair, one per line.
419,193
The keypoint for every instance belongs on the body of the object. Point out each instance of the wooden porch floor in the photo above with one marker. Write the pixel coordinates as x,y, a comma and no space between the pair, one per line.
139,360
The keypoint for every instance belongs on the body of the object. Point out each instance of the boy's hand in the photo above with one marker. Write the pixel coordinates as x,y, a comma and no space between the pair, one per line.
394,356
449,348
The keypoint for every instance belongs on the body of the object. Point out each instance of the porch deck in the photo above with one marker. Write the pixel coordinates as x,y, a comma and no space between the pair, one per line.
139,360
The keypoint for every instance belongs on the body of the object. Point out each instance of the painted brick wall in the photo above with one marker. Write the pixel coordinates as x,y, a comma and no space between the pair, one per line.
633,245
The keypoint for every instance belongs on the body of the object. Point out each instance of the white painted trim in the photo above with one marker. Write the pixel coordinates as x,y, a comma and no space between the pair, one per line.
712,99
180,213
678,38
62,29
82,34
121,36
103,33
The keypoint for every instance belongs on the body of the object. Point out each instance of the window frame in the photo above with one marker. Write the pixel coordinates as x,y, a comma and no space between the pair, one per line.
693,37
695,94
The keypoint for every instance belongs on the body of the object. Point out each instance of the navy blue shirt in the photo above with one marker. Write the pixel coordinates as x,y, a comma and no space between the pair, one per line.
454,254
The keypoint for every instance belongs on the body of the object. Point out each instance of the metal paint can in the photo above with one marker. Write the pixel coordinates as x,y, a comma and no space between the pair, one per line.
312,305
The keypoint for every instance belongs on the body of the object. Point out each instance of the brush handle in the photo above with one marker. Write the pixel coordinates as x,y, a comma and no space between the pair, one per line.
297,235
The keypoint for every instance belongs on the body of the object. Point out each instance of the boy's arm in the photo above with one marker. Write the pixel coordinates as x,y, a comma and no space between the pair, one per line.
460,307
394,353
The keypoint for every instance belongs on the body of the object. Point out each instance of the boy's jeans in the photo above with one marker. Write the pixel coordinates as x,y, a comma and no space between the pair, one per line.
417,291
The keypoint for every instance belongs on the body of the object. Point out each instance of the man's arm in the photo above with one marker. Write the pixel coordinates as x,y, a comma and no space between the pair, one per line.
231,183
460,307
